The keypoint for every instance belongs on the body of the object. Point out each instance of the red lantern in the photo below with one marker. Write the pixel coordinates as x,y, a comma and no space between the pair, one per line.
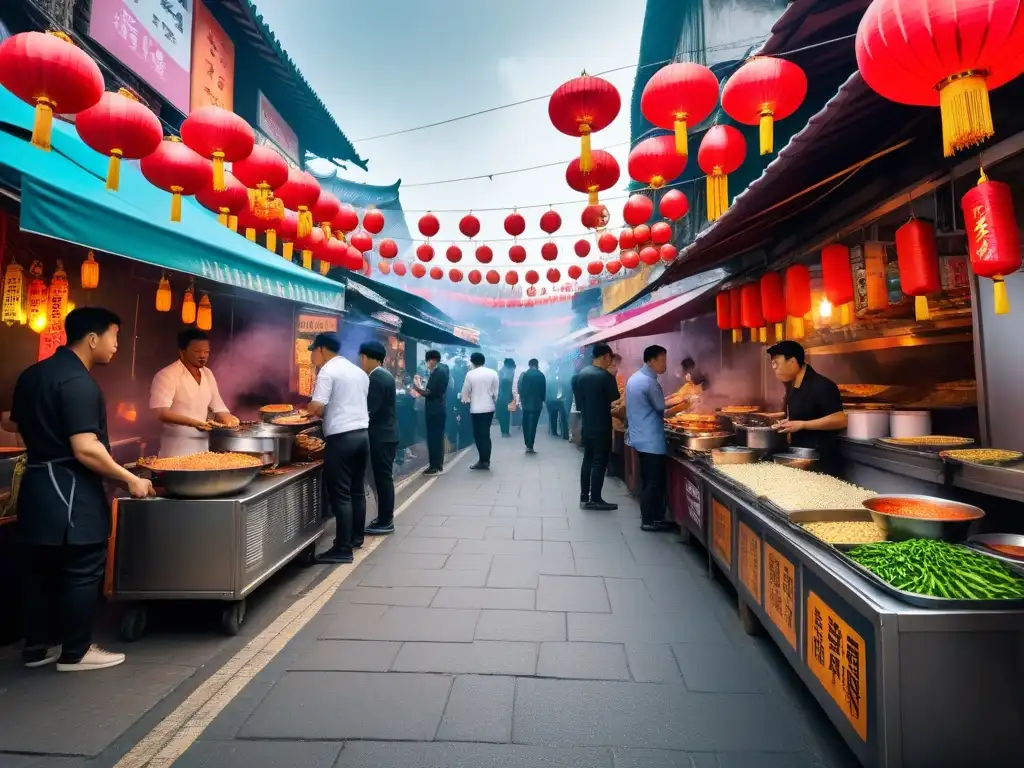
550,222
453,254
493,277
517,253
384,267
595,268
773,302
798,296
218,135
607,243
335,253
661,233
626,239
418,270
300,194
312,245
641,234
674,205
763,90
227,204
469,225
373,221
993,240
436,273
50,73
668,252
455,275
326,210
262,171
575,272
515,224
580,107
429,225
948,54
175,168
655,162
629,259
604,175
677,96
554,275
286,229
120,127
475,277
532,277
650,255
614,266
723,313
484,254
917,254
721,152
751,315
837,276
595,217
359,240
425,252
736,315
400,269
511,277
549,251
582,248
346,220
637,210
387,248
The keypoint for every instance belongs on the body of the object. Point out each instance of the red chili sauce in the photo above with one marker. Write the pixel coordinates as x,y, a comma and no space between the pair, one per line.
1007,549
922,509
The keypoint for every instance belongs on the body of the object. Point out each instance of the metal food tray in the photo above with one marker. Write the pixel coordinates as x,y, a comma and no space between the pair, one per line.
921,448
828,516
978,542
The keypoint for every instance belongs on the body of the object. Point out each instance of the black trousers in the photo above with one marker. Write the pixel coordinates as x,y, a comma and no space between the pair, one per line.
558,419
435,438
652,487
61,590
596,450
382,463
530,421
482,434
504,416
345,462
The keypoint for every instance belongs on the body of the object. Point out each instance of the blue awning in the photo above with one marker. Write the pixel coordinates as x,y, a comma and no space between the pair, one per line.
64,196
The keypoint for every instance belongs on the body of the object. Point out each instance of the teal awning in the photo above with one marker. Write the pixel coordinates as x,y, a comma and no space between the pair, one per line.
64,196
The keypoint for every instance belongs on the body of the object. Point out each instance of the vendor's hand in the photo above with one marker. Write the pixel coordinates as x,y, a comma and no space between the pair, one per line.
203,426
231,421
140,488
790,426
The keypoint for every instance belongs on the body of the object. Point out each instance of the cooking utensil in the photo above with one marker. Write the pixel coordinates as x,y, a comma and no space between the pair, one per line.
255,441
982,542
204,483
761,438
902,527
706,442
788,459
733,454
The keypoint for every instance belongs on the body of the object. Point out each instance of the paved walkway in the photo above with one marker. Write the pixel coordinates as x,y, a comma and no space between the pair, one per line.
502,626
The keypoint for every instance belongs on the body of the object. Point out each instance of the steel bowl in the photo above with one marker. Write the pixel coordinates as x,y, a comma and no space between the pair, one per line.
204,483
762,438
806,453
797,462
901,528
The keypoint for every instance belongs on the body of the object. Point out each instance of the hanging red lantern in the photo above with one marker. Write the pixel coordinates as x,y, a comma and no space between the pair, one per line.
837,277
425,252
550,222
604,175
345,221
736,314
641,234
674,205
773,302
629,259
723,313
751,314
373,221
721,152
36,309
484,254
668,252
285,229
263,171
661,233
515,224
637,210
917,255
607,243
310,245
493,277
517,254
614,266
798,296
327,207
120,127
359,240
511,277
575,272
655,162
50,73
218,135
948,54
993,240
418,270
583,106
335,253
429,225
469,225
400,269
595,217
582,248
554,275
453,254
627,239
175,168
384,267
650,255
475,277
387,248
595,268
532,277
679,96
228,203
436,273
549,251
455,275
763,90
300,194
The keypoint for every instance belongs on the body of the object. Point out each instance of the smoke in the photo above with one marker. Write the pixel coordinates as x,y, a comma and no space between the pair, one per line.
253,369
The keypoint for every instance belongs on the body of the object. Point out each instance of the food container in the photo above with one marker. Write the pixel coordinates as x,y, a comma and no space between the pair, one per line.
733,454
829,516
799,458
986,543
255,441
910,423
867,425
706,442
203,483
902,527
762,438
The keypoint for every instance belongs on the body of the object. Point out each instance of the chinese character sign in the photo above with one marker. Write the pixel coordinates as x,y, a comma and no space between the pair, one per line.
836,654
270,122
153,38
213,63
780,593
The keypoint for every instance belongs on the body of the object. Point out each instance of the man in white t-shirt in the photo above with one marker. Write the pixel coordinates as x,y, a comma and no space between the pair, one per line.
480,390
339,398
184,394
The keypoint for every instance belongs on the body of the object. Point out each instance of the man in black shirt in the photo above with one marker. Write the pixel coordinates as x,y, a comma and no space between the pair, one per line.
814,409
380,402
594,390
532,388
435,409
63,512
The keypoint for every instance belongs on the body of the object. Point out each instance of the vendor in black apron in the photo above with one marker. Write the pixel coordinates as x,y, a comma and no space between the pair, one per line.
814,409
63,512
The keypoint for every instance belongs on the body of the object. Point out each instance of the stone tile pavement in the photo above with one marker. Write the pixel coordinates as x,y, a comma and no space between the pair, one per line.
502,627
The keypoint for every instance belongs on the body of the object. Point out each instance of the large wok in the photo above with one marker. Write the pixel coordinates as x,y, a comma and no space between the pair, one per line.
202,483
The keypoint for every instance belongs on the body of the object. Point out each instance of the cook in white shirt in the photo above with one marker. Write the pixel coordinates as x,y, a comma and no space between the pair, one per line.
184,394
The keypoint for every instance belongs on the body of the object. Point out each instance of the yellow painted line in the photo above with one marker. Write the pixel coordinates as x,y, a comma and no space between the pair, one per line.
176,732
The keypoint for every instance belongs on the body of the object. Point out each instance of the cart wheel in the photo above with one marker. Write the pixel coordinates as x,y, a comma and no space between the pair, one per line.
684,534
751,624
307,556
231,618
133,623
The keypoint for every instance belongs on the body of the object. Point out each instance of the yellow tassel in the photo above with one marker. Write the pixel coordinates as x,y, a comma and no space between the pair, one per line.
254,195
218,172
737,335
287,250
680,128
233,223
966,113
327,230
592,197
324,267
763,335
711,197
921,308
753,335
175,206
222,217
723,194
780,331
767,133
42,126
305,222
250,234
718,195
845,314
798,328
307,259
1002,298
272,241
114,170
586,159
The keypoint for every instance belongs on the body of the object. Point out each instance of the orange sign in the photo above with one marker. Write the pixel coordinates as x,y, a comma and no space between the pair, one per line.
49,341
314,324
721,532
780,593
750,561
307,380
837,656
213,62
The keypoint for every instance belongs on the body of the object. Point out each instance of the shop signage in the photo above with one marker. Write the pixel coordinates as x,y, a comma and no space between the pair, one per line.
750,561
302,354
311,325
693,504
283,289
270,122
836,654
388,318
48,343
471,335
153,38
721,532
780,589
213,63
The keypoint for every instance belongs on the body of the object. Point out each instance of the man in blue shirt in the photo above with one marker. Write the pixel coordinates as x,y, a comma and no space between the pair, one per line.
645,432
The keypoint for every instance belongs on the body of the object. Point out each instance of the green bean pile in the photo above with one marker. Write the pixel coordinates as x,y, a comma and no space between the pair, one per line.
936,568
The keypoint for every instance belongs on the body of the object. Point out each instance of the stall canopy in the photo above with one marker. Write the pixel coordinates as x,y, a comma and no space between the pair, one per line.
63,196
661,317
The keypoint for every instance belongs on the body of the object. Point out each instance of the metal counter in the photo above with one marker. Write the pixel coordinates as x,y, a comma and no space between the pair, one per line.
905,686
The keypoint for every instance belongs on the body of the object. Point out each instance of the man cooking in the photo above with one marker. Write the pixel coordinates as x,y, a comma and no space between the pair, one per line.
184,394
814,409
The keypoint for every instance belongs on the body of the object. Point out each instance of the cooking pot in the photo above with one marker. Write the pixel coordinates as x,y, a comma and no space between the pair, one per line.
255,441
761,438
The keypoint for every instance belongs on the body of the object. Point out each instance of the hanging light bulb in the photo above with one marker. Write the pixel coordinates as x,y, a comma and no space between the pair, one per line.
90,272
204,316
188,305
163,295
825,308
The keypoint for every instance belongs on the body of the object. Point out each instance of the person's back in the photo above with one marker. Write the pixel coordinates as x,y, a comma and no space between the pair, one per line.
595,391
381,403
481,389
532,389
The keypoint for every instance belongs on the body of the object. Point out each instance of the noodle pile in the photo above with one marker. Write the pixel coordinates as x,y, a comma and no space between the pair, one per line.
203,461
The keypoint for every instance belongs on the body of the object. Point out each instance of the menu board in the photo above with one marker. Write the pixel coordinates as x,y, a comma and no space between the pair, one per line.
750,561
836,656
780,589
721,532
274,127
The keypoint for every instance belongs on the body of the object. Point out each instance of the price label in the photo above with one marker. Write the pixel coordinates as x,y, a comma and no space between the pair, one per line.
721,532
836,655
311,325
750,561
780,597
693,504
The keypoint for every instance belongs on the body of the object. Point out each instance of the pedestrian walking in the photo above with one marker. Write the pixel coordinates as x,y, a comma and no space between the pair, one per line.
645,432
558,416
506,395
383,434
480,393
340,399
435,396
594,391
532,388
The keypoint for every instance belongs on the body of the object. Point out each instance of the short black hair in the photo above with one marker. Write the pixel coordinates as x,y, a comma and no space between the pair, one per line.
432,354
373,350
600,350
616,356
477,359
189,335
788,349
689,364
534,362
81,322
327,341
654,351
509,363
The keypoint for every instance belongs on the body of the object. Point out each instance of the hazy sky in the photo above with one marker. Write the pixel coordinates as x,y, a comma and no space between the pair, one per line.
395,64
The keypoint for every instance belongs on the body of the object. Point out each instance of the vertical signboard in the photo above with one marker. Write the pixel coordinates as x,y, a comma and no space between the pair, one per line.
274,127
836,654
213,63
721,532
750,561
780,593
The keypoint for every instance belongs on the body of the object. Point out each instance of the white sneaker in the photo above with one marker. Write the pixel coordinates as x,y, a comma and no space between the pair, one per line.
95,658
40,657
